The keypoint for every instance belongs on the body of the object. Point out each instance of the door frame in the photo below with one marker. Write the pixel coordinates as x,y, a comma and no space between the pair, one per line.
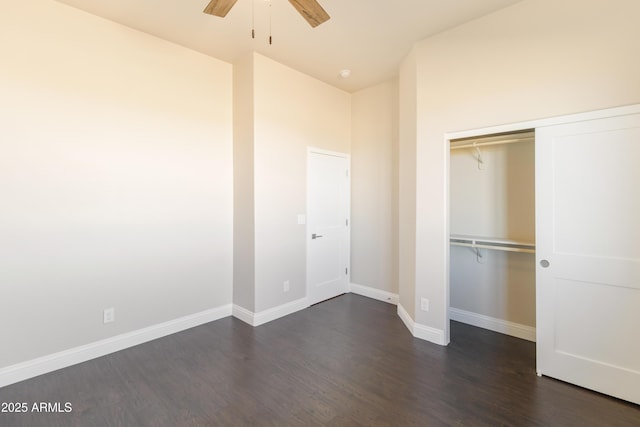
512,127
347,157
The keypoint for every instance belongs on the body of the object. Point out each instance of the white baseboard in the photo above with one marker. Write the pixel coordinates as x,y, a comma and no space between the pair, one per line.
265,316
378,294
422,332
52,362
243,314
497,325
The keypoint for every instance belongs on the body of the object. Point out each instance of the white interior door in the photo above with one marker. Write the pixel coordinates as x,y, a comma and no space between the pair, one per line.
588,254
328,199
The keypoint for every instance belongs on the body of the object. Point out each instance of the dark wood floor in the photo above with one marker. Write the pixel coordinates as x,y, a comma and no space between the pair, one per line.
346,362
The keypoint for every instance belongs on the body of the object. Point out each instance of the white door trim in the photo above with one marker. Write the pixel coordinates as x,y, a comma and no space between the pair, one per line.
329,153
549,121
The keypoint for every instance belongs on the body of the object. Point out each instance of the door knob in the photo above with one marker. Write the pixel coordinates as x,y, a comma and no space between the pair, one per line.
544,263
316,236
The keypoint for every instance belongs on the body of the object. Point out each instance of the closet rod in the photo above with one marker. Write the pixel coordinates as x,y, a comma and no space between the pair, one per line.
496,247
498,244
485,144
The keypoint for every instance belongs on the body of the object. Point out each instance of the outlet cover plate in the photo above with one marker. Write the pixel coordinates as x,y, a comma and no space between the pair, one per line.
109,315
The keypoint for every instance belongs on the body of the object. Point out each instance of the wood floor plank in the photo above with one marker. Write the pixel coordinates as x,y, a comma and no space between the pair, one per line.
349,361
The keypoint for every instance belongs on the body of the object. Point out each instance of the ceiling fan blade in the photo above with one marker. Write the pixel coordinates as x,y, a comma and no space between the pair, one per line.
219,7
311,11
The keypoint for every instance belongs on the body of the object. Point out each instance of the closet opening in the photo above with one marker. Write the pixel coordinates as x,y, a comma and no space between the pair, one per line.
492,281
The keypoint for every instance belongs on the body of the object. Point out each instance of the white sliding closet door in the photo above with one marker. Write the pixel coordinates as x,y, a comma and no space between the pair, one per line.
588,254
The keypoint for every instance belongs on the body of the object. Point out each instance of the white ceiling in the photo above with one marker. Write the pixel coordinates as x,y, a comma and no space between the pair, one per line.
369,37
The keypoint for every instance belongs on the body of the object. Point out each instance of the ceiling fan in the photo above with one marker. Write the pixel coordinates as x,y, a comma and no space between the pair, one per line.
309,9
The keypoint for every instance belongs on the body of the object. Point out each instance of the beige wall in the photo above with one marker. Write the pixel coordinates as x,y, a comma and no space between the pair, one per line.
536,59
407,133
374,203
501,285
115,180
243,184
496,200
292,112
117,173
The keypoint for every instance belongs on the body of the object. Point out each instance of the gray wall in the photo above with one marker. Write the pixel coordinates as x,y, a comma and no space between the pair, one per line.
115,180
374,187
535,59
496,200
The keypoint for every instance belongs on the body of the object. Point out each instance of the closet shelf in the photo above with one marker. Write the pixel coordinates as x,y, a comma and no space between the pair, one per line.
478,144
492,243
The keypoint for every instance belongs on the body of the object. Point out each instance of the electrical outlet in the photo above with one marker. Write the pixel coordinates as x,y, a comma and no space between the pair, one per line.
424,304
286,286
109,315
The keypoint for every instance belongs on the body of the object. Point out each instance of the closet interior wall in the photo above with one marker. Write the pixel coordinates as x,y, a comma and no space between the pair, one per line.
492,225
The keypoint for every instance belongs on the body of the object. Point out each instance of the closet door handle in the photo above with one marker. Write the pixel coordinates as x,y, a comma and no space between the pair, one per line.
316,236
544,263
